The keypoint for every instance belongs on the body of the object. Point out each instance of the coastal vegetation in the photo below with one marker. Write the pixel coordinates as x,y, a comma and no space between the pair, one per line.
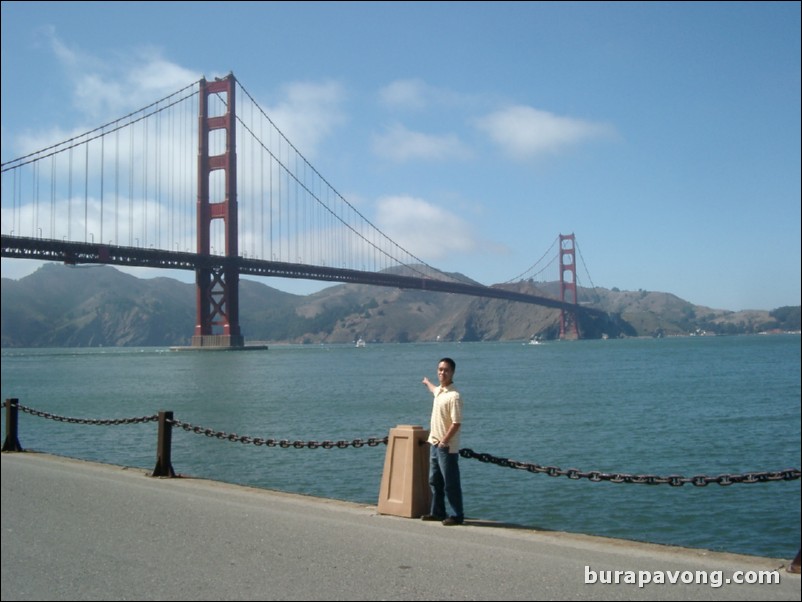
90,306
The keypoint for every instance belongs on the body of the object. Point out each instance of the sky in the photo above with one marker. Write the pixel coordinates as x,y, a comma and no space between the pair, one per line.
665,136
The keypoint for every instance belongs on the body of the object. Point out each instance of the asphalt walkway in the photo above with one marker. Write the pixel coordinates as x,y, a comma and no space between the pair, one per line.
74,530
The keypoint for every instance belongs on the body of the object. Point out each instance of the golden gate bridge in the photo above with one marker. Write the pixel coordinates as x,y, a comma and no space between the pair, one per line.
204,180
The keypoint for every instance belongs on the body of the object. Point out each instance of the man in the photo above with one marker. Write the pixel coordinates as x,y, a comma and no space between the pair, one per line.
444,434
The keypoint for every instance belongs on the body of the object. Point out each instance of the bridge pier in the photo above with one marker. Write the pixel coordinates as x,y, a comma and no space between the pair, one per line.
218,340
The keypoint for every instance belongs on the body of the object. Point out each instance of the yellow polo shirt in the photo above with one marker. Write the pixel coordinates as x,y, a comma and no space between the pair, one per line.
446,410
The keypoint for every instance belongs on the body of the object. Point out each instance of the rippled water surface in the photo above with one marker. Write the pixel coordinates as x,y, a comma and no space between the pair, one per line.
678,406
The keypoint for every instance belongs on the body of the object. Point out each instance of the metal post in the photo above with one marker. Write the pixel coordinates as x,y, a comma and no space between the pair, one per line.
164,465
11,444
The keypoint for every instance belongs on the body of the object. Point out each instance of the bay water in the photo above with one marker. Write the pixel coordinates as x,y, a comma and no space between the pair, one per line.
672,406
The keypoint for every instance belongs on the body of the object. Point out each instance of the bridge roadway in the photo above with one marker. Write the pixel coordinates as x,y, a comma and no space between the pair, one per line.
76,252
75,530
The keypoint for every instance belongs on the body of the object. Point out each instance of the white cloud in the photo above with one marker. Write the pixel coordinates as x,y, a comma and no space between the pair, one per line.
428,231
308,113
401,144
34,141
524,132
404,94
108,88
416,94
104,89
156,75
66,55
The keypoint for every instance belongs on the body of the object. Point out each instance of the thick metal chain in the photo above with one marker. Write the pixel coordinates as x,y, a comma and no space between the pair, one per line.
788,474
285,443
98,421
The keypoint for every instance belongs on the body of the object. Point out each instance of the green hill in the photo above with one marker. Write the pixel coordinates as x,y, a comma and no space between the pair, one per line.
89,306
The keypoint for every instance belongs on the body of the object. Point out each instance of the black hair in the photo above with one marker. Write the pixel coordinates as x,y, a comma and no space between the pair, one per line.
450,362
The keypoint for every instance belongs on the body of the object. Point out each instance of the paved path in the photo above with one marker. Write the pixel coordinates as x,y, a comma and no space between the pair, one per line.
74,530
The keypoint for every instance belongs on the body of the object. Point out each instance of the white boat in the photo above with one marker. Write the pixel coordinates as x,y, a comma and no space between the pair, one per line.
535,341
360,342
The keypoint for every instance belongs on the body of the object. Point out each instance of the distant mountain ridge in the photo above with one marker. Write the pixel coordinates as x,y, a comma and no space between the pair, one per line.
90,306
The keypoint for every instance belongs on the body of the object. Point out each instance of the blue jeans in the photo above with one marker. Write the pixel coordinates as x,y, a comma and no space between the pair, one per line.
445,483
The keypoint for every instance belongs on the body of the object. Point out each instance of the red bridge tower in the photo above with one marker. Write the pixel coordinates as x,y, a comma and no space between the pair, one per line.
217,284
568,318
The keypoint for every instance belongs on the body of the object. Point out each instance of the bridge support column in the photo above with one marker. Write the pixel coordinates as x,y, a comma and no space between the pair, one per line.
569,329
217,296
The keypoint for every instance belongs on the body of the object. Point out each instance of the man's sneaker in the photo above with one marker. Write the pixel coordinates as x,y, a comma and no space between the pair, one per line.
431,517
452,521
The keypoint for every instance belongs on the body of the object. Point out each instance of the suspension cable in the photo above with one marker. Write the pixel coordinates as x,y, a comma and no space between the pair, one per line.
303,185
592,286
104,129
533,266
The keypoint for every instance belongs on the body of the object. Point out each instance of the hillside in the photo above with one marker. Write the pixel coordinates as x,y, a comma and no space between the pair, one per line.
88,306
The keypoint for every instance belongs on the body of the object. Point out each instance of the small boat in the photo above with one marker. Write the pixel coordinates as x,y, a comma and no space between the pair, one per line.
535,341
360,342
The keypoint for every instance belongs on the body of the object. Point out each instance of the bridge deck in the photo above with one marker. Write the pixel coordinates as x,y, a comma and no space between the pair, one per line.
95,253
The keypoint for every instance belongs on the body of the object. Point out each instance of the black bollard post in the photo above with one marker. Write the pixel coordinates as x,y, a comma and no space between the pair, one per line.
11,443
795,565
164,465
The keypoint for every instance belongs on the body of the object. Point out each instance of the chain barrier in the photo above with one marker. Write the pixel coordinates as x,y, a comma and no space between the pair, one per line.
788,474
284,443
101,421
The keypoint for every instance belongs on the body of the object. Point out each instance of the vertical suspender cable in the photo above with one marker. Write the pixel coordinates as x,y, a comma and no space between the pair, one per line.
35,186
182,175
117,187
144,210
86,193
102,181
172,141
252,196
157,168
14,213
279,217
261,193
53,197
270,199
131,132
69,199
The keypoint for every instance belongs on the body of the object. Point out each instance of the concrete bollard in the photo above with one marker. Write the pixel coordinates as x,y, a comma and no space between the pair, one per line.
405,480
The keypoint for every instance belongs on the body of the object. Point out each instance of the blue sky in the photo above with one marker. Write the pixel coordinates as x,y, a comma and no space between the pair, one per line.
665,136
